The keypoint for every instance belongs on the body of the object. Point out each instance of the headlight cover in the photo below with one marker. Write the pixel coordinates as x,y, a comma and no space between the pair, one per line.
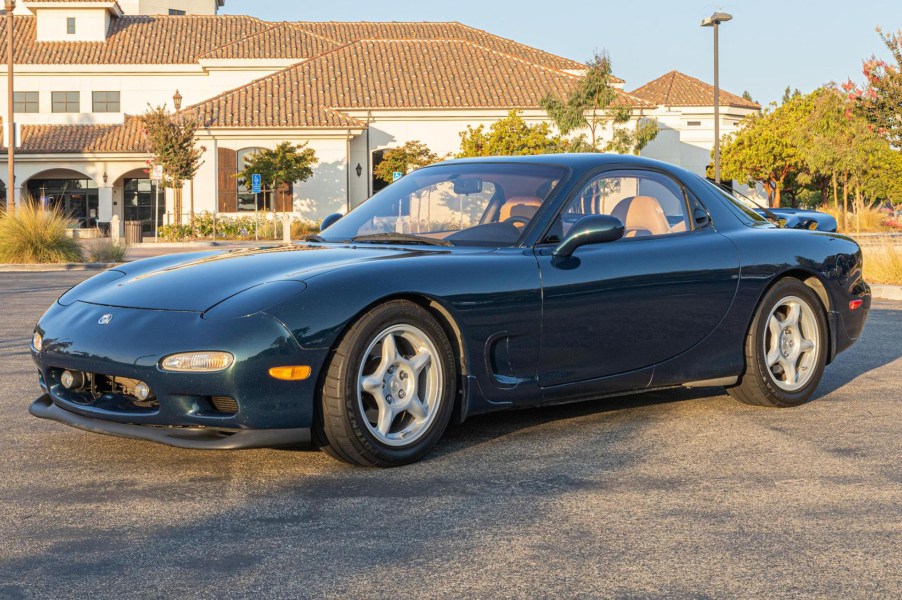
197,362
37,342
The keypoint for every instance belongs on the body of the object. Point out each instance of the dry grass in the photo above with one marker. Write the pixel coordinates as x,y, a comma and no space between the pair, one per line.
105,250
883,262
867,220
33,235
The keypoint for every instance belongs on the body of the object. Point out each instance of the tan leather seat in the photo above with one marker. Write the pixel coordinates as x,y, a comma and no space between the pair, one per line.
519,206
642,215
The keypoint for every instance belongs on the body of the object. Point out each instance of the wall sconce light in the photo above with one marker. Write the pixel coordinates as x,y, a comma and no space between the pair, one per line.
105,178
359,170
177,101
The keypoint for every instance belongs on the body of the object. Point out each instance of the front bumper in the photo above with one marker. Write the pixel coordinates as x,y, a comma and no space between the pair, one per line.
185,412
197,438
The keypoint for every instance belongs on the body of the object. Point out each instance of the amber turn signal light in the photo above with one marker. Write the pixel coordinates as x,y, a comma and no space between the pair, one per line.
297,373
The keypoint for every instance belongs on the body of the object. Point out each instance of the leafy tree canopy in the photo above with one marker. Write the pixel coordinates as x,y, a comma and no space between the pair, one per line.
879,100
285,164
173,142
409,157
510,136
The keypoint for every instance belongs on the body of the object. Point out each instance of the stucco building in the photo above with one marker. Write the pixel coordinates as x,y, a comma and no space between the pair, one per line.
87,69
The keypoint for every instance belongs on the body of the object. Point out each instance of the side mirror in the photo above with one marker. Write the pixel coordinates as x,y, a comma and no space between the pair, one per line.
592,229
700,217
329,221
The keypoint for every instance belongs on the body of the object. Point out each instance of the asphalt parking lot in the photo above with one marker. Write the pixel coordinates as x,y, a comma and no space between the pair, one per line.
684,493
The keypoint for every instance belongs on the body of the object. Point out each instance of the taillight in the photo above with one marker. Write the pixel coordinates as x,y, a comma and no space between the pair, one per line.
855,304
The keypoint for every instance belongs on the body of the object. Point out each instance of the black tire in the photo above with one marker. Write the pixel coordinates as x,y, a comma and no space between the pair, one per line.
342,429
759,385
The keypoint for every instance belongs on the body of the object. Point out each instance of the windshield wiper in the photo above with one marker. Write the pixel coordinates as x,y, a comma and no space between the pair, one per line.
313,237
406,238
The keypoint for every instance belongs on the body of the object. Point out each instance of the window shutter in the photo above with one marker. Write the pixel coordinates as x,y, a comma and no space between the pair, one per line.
227,161
285,202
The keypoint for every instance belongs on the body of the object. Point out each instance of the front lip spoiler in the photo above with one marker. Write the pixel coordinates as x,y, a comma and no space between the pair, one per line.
194,438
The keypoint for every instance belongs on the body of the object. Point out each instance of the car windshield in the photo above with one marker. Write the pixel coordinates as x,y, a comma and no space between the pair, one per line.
461,204
744,206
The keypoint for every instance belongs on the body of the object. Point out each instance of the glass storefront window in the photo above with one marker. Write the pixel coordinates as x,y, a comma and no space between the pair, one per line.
139,196
246,198
78,198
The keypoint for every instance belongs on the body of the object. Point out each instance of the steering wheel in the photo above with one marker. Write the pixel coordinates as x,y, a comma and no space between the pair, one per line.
515,220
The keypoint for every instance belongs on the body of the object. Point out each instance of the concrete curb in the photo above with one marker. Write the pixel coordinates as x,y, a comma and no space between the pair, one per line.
56,267
886,292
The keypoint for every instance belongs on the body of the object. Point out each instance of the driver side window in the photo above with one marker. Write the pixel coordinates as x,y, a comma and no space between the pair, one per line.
647,203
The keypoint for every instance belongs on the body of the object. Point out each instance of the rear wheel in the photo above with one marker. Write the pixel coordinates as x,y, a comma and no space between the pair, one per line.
785,349
389,389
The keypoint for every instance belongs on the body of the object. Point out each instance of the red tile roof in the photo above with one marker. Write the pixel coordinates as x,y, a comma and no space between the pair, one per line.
678,89
127,137
282,40
402,74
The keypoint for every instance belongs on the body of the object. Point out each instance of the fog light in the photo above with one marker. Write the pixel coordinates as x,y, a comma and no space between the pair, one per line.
72,380
142,391
199,362
37,342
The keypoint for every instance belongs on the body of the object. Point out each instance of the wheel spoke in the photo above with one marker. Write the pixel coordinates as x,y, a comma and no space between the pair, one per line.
792,317
773,355
789,371
806,346
420,360
389,353
416,409
386,417
371,384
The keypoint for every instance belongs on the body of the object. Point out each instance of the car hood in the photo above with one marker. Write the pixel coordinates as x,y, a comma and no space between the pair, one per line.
198,281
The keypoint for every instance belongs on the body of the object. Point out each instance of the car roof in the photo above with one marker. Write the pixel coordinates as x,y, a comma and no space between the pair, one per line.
574,160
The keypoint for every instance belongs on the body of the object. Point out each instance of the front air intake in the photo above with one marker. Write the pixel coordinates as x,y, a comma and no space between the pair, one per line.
224,404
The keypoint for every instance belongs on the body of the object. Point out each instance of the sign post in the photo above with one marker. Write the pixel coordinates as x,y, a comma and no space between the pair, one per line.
256,186
156,175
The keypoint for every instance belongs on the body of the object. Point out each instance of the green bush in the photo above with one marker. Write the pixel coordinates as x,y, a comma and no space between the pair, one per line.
235,228
35,235
107,251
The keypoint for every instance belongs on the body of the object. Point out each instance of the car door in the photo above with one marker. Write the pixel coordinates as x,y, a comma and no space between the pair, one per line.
622,306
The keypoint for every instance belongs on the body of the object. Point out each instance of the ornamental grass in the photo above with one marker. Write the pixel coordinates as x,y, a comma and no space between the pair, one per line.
36,235
883,262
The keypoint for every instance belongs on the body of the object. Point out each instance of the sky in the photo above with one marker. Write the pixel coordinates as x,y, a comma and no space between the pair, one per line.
769,44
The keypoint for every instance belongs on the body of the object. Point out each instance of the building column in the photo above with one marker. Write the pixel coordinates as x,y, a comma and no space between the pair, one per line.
105,204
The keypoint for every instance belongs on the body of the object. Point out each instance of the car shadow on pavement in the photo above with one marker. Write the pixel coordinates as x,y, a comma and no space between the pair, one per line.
877,347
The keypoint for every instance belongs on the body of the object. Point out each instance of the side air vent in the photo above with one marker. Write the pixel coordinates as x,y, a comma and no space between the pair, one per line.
224,404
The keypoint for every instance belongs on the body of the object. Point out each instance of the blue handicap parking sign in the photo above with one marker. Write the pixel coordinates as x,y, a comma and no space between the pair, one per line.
396,175
256,183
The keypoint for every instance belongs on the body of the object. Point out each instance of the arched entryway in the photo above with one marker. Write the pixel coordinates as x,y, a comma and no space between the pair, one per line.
141,199
72,192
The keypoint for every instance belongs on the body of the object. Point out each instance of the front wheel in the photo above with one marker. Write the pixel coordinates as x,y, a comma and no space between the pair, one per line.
389,389
785,348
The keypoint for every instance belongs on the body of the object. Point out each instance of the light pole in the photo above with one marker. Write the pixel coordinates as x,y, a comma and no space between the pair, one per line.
714,21
10,113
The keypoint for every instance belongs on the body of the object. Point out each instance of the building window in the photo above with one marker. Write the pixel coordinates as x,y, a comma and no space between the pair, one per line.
65,102
694,123
246,198
176,12
26,102
105,102
70,25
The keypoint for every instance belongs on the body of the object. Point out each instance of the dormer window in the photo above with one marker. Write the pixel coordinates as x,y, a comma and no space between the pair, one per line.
70,25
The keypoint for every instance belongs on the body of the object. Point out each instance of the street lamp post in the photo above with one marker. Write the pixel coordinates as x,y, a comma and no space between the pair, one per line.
714,21
10,112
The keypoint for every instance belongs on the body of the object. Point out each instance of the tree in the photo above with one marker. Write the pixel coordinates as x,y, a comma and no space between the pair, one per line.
173,143
765,149
510,136
592,106
879,101
407,158
279,167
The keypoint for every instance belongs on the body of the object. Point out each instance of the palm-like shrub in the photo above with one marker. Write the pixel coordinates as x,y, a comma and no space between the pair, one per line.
34,235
